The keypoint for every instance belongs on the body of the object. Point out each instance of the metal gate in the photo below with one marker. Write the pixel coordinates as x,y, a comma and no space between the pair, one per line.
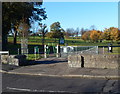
68,50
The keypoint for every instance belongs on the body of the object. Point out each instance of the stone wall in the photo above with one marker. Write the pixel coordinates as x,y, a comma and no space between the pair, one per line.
13,59
94,61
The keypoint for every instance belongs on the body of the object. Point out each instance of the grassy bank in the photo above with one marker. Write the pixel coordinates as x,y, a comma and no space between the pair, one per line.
37,41
115,50
68,41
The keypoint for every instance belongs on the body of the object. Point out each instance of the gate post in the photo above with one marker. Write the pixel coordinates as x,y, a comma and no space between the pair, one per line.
45,51
58,51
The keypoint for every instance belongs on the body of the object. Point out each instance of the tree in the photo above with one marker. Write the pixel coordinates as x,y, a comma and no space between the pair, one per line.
14,12
117,35
86,36
70,32
95,35
43,31
110,33
100,36
77,32
23,29
106,35
114,33
82,31
56,31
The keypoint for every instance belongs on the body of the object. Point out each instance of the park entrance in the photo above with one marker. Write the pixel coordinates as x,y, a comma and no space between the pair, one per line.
51,51
65,51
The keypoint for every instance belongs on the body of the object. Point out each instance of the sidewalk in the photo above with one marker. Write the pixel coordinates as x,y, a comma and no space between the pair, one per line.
59,68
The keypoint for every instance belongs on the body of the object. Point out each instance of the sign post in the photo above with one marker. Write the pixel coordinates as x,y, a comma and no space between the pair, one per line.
36,51
61,41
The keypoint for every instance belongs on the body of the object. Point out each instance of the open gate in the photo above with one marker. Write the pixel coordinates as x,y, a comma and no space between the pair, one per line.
51,51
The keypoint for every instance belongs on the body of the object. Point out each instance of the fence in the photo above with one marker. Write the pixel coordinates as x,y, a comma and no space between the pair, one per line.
68,50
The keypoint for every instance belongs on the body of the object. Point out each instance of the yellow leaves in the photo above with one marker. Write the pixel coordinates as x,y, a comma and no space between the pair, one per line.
86,35
111,33
117,35
94,35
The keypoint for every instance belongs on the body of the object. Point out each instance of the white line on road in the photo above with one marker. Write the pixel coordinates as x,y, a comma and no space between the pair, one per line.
80,76
19,89
35,90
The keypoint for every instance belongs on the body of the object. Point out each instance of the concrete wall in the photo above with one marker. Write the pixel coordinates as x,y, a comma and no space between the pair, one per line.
13,59
9,59
94,61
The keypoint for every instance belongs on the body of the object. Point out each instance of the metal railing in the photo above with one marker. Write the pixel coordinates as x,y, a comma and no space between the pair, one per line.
67,50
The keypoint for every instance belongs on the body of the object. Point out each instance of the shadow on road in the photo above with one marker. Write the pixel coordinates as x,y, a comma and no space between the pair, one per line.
7,67
47,61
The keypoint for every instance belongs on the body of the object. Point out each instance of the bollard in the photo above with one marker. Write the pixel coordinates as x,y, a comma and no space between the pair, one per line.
57,54
35,52
103,50
110,47
18,51
45,51
38,53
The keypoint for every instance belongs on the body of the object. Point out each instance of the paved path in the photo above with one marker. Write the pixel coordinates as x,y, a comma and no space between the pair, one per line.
53,75
59,68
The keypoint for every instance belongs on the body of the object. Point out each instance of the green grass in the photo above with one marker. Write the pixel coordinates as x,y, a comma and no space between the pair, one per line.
70,42
33,56
37,41
116,50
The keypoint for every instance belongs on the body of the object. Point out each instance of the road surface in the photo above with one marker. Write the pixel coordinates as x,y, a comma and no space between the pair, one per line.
53,85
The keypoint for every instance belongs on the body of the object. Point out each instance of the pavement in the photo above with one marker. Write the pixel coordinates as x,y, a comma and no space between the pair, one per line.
58,67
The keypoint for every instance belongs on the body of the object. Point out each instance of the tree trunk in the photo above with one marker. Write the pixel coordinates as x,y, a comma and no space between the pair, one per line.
15,38
43,39
4,41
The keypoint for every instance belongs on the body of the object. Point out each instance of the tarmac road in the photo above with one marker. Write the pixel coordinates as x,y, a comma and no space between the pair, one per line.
57,85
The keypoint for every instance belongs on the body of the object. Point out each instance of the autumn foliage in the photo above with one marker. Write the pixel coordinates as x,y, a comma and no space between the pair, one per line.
111,33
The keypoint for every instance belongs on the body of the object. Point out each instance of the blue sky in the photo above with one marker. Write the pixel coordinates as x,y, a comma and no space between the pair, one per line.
82,14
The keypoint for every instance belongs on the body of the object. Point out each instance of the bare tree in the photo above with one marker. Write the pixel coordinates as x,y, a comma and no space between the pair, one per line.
70,32
82,31
77,31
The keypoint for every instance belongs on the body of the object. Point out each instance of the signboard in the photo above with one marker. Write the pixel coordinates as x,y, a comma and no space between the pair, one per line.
61,41
36,49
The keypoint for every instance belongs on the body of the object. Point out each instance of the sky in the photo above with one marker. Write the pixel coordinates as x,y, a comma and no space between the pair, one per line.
82,14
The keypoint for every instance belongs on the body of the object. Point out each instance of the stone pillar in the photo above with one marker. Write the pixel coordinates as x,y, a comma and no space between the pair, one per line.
97,50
